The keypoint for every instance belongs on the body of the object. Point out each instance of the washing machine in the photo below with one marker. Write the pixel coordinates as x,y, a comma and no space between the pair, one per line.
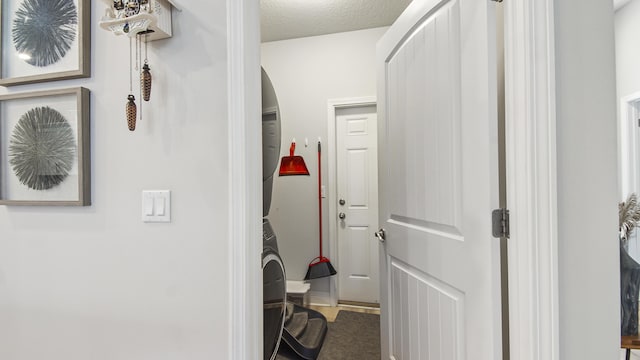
300,330
274,295
273,273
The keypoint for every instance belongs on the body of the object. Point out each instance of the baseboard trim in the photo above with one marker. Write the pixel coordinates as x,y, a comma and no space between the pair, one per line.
320,298
359,304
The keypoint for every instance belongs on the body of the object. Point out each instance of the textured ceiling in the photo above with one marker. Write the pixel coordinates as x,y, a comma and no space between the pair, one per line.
288,19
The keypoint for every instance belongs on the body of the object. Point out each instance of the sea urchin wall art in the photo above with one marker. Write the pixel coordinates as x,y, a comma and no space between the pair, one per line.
45,148
44,30
42,148
44,40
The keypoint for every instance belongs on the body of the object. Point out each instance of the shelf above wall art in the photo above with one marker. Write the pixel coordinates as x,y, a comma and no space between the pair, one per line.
142,21
133,17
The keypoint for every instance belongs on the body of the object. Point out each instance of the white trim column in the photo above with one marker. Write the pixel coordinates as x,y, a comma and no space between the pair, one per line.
245,180
628,145
531,179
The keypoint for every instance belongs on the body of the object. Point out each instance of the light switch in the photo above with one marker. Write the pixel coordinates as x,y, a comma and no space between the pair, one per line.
156,206
147,204
160,206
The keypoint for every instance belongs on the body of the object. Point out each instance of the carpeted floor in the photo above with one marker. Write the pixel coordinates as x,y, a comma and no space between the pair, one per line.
353,336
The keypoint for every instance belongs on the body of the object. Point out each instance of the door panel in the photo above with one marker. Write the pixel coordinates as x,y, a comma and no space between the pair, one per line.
431,152
439,183
358,177
436,332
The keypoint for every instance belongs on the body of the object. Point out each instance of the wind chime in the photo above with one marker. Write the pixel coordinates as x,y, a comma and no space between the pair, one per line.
142,21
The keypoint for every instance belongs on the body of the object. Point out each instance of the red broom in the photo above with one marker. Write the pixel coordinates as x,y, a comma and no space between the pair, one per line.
321,266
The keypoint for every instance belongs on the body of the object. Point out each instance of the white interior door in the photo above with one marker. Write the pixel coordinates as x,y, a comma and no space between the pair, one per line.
357,208
438,180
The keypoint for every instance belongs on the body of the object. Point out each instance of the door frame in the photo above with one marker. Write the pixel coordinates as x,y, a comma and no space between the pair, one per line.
628,144
628,156
530,130
244,235
333,105
531,179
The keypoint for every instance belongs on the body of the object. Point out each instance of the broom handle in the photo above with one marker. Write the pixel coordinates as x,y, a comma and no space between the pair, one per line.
320,198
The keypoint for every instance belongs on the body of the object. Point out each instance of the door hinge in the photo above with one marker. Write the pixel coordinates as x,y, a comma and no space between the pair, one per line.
500,220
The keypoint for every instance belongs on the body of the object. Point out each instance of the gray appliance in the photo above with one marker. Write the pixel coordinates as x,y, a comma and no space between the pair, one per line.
273,273
303,330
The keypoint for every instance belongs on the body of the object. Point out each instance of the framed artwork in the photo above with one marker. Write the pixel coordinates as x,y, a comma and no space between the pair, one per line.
44,40
45,148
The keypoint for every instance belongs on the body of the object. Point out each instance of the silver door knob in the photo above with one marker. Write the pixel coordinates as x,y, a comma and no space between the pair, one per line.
380,235
342,216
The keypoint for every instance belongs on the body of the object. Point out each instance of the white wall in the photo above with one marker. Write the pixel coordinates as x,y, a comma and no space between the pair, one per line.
627,37
305,73
587,181
95,282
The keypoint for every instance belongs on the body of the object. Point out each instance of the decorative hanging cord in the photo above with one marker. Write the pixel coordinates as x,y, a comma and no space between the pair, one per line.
145,77
138,50
130,108
130,67
138,61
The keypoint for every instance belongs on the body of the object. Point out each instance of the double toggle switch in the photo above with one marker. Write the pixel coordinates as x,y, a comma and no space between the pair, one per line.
156,206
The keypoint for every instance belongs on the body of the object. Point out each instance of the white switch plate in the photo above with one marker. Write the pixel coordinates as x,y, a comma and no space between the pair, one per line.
156,206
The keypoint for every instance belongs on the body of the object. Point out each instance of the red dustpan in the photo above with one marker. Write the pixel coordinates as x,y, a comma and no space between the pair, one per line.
293,165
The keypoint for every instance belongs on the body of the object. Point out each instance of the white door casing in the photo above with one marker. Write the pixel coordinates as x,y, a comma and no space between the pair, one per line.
357,190
530,117
628,155
245,181
629,144
530,101
437,116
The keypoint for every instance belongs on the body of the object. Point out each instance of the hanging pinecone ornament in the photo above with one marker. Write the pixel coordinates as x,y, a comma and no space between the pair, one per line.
132,112
145,82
